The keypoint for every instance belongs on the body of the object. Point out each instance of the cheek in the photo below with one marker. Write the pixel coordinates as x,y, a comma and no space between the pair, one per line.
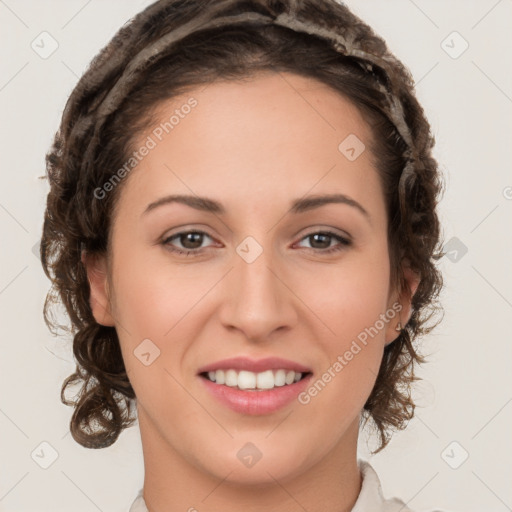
351,301
152,292
160,301
156,301
348,296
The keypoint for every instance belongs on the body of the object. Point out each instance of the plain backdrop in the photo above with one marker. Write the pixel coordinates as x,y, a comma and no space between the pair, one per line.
456,453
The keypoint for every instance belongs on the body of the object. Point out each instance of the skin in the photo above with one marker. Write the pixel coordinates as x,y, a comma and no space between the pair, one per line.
254,146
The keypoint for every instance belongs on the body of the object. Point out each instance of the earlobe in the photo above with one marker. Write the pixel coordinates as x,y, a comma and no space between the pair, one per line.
403,304
96,269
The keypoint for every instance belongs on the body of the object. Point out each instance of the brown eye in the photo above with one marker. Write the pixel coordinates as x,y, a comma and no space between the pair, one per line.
321,240
190,242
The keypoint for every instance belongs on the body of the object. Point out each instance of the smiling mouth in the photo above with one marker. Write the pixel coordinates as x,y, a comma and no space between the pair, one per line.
251,381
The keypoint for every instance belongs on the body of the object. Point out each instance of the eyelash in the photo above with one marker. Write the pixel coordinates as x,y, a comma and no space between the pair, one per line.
344,242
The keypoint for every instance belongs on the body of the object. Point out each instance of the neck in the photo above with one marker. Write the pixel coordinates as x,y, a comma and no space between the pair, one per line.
173,484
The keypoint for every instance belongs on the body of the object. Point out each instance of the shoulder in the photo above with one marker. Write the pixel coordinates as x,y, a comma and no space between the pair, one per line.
139,505
371,496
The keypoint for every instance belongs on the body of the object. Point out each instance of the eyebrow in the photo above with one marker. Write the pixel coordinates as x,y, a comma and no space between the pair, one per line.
297,206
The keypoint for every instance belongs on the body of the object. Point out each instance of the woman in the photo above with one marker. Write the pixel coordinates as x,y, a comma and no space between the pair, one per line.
242,226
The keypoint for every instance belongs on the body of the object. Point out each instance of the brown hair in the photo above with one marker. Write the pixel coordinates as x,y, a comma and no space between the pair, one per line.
173,46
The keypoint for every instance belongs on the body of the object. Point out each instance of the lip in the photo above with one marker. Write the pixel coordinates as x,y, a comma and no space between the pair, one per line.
256,402
255,365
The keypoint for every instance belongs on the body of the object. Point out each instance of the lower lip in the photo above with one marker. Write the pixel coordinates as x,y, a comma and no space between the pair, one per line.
256,402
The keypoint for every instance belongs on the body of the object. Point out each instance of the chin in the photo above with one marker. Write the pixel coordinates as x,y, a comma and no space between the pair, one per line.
259,463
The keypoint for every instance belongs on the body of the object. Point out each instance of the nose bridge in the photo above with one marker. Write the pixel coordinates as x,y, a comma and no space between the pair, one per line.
258,301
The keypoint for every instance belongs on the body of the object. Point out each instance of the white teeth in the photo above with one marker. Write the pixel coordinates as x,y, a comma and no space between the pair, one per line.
250,380
280,378
231,378
290,376
246,380
265,380
220,377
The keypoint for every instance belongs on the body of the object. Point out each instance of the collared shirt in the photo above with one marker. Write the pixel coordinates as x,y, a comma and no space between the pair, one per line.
370,497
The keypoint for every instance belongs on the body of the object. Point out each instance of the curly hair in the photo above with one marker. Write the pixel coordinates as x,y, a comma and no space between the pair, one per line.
171,47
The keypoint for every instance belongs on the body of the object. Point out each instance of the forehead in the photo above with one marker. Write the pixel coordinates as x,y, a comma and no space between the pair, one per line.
258,137
263,99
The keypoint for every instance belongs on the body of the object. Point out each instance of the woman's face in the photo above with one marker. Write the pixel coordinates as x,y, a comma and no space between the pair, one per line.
258,285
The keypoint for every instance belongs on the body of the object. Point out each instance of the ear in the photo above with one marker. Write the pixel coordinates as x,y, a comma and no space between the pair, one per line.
401,301
96,268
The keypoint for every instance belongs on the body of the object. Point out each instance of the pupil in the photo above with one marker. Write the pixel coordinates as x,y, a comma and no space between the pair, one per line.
320,235
190,237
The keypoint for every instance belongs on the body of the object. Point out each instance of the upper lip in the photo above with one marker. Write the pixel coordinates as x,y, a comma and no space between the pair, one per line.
254,365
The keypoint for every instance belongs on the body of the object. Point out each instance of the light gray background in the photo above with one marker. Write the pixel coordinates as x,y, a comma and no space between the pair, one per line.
466,394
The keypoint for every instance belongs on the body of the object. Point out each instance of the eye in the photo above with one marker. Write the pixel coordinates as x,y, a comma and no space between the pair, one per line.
324,239
191,242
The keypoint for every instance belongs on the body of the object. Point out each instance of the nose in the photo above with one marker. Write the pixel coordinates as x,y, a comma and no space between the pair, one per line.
257,299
